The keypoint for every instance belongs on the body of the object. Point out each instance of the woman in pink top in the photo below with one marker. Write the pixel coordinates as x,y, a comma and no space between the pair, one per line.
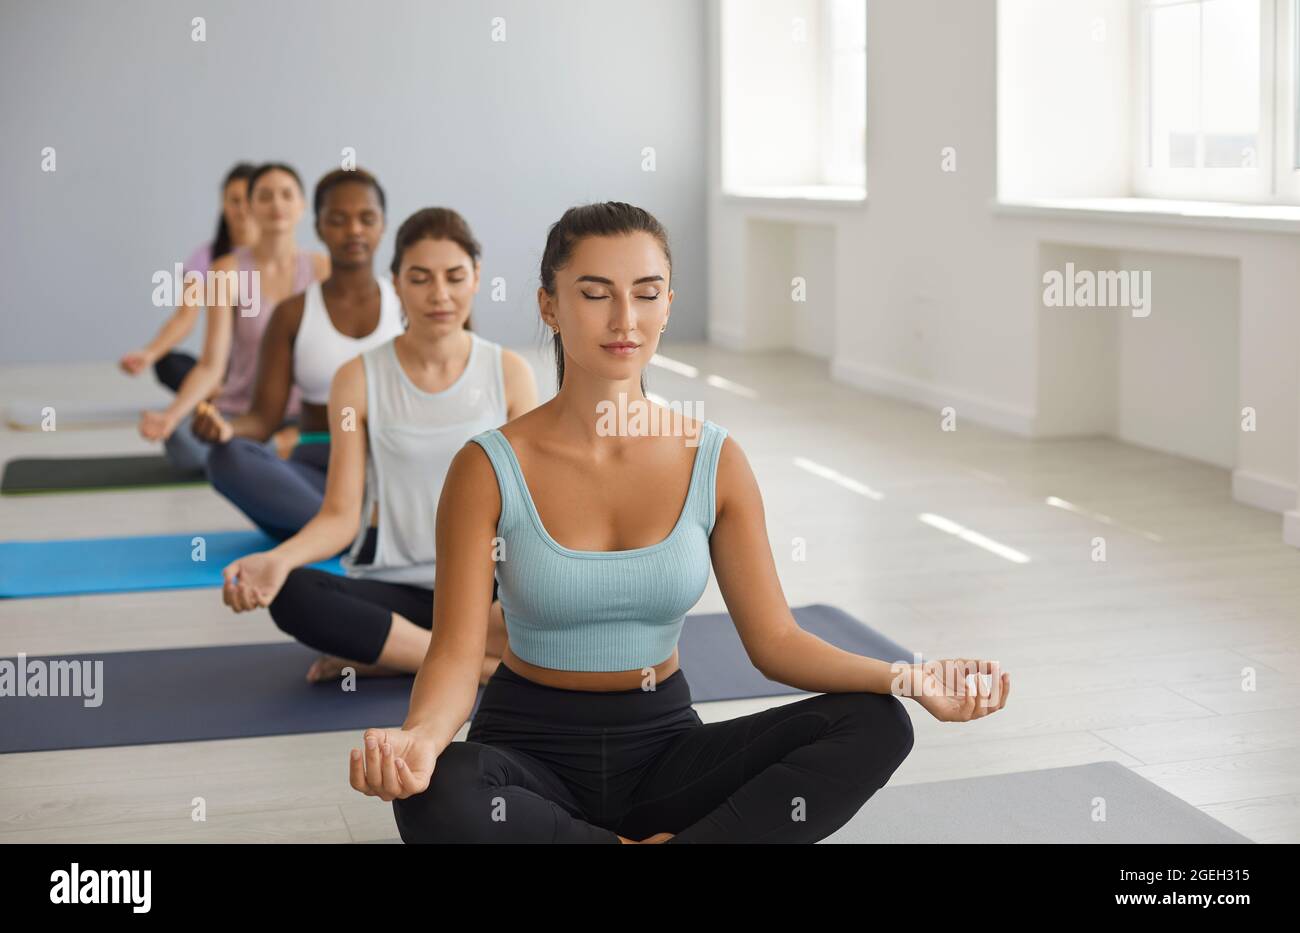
235,227
228,364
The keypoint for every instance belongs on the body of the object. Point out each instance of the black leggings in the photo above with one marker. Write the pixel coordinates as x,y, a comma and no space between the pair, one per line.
172,368
346,617
541,764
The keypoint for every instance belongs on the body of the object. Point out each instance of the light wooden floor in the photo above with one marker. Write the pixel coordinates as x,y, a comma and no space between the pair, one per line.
1138,659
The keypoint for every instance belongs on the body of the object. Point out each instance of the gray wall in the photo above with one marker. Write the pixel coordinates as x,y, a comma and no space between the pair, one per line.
145,122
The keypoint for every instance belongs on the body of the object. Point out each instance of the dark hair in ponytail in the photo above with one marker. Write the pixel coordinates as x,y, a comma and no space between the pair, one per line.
608,218
221,244
435,223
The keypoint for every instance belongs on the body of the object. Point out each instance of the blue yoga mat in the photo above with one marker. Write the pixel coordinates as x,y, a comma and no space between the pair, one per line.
193,694
121,565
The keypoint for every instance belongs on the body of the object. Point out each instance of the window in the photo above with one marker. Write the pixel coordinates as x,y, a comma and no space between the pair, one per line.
1216,95
844,113
793,75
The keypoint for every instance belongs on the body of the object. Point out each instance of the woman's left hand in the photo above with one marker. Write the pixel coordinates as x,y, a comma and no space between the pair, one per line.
958,689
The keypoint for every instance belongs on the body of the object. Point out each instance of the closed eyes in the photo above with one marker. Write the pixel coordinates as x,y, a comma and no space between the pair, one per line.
653,297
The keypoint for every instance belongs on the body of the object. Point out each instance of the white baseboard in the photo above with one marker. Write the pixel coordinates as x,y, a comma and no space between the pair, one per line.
1263,492
1291,527
981,411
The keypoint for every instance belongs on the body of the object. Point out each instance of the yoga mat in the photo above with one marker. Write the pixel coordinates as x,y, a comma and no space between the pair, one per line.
194,694
121,565
1054,805
26,415
93,474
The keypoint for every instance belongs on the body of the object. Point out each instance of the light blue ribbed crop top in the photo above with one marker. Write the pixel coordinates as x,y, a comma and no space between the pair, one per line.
599,610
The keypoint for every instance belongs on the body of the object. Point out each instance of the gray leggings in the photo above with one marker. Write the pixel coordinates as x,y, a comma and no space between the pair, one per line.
278,496
184,449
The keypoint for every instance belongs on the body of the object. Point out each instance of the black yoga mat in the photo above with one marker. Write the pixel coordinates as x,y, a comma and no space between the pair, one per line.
93,474
193,694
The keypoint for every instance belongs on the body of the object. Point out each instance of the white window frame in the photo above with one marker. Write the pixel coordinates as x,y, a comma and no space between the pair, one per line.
1276,142
1286,173
830,168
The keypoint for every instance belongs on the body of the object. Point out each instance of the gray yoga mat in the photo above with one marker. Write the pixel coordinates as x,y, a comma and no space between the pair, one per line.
235,691
42,475
28,415
1054,805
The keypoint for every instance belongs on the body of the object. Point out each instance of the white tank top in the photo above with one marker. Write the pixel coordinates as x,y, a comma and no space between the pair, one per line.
319,350
413,436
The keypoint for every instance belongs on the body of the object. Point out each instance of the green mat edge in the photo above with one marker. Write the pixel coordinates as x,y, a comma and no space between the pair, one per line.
75,489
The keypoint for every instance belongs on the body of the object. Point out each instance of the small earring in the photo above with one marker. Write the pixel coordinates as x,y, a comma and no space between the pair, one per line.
664,328
555,330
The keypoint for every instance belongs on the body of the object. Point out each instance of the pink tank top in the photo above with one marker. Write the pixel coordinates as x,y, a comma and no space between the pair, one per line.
246,340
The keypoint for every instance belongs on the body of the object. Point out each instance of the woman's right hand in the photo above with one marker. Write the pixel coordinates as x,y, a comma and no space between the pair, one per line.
135,362
209,425
395,764
958,689
252,582
156,425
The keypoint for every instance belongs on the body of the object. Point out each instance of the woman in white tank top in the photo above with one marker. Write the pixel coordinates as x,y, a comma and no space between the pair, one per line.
308,338
397,415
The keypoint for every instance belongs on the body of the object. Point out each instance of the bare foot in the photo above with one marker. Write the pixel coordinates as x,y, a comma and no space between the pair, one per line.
327,667
285,439
656,838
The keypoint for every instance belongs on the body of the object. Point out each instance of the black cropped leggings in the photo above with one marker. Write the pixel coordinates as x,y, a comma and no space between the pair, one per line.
541,764
347,617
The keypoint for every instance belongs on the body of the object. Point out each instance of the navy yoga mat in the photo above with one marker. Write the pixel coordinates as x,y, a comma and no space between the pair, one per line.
118,565
27,476
192,694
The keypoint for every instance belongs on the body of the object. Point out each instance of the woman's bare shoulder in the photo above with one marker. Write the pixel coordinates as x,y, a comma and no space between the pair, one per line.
226,263
735,481
528,427
514,365
349,380
471,479
469,508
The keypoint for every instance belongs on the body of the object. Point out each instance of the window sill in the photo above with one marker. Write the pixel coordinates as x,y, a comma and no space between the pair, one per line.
831,196
1222,215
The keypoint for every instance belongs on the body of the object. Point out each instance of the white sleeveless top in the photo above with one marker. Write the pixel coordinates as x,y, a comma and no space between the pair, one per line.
319,350
413,436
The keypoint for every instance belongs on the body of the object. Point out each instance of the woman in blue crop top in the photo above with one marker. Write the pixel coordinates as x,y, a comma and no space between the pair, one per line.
601,537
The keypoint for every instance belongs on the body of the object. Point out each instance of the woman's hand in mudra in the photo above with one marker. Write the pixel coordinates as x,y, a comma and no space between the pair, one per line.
210,425
956,689
395,764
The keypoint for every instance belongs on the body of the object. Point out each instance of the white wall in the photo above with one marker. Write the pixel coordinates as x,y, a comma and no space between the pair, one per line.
813,319
1179,368
775,255
145,122
947,290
